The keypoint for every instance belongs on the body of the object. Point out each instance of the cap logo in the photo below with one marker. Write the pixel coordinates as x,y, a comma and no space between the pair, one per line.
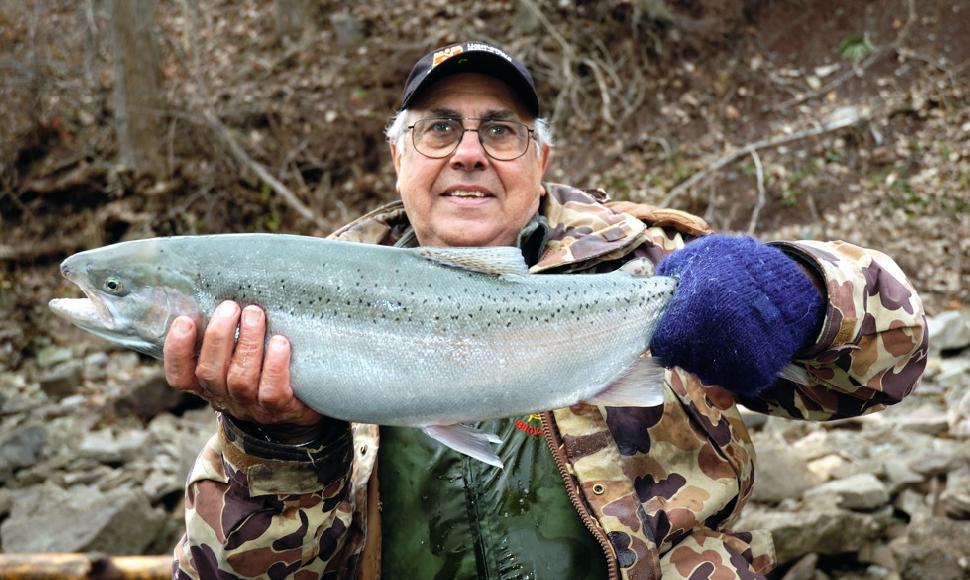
443,55
487,48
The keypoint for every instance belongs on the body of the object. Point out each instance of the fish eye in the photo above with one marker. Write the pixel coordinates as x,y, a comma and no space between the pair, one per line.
113,285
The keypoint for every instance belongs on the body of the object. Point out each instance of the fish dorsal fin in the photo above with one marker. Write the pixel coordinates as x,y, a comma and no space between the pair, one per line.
639,385
498,260
468,440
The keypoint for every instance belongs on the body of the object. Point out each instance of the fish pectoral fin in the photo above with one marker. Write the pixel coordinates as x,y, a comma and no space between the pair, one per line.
639,385
468,440
496,260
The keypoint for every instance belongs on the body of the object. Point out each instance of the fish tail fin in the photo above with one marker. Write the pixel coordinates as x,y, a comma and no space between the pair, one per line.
639,385
467,440
794,373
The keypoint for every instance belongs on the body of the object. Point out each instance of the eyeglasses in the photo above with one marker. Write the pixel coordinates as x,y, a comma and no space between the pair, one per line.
501,140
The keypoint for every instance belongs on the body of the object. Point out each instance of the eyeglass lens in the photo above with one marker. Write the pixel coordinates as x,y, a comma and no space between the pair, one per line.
502,140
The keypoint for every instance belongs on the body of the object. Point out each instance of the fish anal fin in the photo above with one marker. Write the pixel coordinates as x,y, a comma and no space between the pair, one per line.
467,440
497,260
639,385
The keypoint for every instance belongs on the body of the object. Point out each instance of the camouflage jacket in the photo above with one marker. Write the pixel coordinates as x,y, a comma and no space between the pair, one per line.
658,487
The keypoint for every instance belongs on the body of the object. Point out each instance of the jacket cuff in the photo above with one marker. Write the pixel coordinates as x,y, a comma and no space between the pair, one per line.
276,468
843,322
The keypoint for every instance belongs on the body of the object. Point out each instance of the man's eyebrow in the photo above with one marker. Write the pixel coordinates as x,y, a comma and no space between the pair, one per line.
445,112
490,115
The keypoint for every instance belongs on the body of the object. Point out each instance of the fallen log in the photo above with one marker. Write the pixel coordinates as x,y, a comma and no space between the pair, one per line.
84,567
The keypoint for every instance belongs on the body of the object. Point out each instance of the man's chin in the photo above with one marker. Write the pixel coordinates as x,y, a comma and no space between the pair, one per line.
470,234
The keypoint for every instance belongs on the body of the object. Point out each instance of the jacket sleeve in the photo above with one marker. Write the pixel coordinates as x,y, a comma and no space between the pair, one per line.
254,508
871,350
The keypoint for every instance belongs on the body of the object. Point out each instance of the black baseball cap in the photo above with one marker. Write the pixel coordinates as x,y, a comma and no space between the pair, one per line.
474,56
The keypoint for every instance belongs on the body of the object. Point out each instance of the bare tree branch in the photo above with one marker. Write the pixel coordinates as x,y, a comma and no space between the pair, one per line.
760,174
843,117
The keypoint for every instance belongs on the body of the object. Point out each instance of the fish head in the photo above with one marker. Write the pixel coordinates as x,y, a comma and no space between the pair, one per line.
133,291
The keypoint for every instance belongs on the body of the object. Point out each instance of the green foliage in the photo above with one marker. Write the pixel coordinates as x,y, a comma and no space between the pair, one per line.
855,46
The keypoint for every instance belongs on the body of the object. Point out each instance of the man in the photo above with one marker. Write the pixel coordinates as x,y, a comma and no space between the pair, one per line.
586,492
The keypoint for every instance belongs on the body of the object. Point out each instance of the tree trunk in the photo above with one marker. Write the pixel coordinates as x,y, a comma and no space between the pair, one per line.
138,102
291,19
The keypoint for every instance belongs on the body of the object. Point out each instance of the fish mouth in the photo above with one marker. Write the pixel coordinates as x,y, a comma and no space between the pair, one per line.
87,313
90,313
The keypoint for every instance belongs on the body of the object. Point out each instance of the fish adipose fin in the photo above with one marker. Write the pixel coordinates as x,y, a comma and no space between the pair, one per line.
467,440
496,260
640,385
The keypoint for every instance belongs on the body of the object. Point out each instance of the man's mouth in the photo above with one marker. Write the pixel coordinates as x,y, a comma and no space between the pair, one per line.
467,194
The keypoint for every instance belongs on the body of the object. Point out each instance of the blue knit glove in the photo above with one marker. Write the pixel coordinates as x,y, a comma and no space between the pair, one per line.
741,312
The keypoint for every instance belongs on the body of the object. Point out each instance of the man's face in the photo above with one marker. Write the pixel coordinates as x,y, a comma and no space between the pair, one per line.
432,188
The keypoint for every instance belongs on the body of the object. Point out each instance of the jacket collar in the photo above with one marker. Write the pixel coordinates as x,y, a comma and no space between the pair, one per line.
581,229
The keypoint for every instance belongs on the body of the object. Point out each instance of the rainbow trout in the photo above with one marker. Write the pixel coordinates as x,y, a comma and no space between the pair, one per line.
423,337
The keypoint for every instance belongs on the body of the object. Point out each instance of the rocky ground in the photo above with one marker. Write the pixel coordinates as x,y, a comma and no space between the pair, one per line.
886,495
94,450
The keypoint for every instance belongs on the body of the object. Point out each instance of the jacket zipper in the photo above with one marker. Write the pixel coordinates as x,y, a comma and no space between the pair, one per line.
571,490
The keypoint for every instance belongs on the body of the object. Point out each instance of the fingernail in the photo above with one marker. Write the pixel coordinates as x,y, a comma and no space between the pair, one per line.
277,342
181,326
227,308
250,315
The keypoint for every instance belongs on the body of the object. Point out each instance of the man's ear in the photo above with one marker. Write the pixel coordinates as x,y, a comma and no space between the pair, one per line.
545,155
395,156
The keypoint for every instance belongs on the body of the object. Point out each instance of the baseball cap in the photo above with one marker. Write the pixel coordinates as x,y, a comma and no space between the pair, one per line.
471,57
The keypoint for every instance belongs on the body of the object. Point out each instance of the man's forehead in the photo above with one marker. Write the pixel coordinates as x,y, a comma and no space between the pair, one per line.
472,95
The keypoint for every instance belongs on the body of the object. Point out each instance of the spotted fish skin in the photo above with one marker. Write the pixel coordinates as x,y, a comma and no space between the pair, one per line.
410,337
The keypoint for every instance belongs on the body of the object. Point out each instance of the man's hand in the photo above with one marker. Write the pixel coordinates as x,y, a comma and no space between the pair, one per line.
741,312
237,377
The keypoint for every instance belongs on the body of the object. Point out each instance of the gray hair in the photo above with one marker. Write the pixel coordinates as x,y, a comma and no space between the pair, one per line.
397,128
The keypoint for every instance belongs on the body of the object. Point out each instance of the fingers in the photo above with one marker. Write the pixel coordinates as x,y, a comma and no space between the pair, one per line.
239,376
179,355
274,386
247,361
217,346
276,396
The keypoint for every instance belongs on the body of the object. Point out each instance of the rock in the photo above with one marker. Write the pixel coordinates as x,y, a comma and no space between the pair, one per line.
47,518
859,492
824,467
21,449
949,330
96,366
954,373
929,419
62,380
913,504
49,356
955,498
149,396
752,419
6,501
779,473
804,569
933,463
958,415
824,532
105,447
899,475
934,549
122,363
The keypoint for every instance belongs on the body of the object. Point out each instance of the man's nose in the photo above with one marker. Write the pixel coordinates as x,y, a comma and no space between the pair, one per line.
469,155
